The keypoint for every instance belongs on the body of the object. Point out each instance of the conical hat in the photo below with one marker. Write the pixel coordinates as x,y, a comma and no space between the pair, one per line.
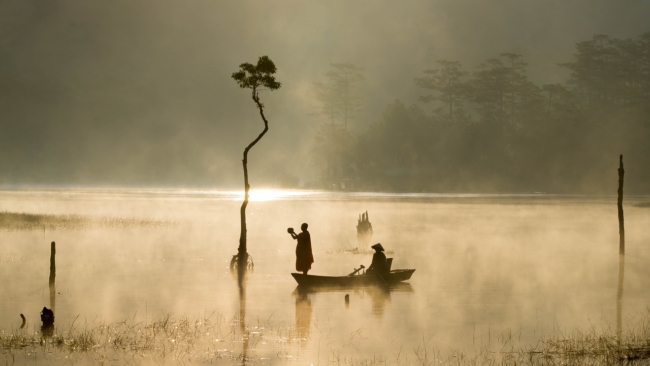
378,247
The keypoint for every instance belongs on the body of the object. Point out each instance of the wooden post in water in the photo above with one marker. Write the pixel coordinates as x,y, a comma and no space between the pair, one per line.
52,276
621,249
621,219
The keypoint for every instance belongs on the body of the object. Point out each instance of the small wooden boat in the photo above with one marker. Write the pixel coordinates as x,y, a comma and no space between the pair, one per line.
394,276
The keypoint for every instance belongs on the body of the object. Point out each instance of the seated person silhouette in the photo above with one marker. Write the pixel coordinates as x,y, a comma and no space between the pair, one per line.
378,265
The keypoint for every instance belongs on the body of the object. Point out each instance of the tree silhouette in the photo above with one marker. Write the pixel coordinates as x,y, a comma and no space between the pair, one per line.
326,97
593,72
448,82
254,77
345,77
337,96
331,153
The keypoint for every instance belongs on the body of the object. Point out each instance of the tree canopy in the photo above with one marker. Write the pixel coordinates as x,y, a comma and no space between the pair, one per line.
255,76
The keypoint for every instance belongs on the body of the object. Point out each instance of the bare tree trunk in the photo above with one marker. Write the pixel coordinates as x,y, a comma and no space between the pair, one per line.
621,219
242,251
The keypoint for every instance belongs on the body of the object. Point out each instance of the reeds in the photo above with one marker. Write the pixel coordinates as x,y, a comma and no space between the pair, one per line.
578,348
596,348
215,339
164,338
204,339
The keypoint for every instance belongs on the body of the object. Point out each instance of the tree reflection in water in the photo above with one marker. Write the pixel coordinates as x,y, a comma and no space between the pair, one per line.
619,294
241,282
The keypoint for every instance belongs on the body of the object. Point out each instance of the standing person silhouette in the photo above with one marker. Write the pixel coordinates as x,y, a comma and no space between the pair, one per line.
304,256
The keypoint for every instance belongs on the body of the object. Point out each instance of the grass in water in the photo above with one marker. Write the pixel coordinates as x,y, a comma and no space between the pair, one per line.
206,339
215,339
15,221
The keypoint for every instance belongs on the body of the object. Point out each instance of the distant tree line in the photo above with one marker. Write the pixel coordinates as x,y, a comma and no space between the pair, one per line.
493,129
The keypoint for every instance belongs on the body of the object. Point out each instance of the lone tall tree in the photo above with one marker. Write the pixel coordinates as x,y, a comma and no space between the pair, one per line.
255,77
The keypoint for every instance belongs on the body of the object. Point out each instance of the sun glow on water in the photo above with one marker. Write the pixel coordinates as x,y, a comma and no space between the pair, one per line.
271,194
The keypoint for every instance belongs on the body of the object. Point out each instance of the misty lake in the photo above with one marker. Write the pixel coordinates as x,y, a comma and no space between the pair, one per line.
490,269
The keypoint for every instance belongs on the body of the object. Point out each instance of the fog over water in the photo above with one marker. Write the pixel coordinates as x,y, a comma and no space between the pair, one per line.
486,267
482,137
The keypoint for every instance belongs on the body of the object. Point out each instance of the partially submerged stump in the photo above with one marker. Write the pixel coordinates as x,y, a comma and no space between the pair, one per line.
47,317
364,231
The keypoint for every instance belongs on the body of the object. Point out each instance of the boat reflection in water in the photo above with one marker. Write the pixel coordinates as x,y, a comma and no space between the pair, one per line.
379,296
304,312
305,295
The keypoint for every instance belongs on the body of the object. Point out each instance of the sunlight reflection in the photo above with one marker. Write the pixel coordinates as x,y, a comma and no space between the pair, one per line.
269,194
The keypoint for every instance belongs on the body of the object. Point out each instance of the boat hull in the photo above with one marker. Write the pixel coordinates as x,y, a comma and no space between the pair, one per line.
393,277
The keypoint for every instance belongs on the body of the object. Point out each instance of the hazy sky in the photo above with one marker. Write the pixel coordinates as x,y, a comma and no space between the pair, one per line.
127,92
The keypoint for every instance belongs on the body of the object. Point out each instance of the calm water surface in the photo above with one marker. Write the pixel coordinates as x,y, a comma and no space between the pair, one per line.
488,267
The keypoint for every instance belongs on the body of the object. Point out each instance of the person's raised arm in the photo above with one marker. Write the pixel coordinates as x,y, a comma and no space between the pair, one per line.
292,233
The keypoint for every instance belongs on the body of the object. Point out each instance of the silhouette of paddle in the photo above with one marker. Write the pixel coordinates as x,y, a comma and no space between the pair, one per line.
356,270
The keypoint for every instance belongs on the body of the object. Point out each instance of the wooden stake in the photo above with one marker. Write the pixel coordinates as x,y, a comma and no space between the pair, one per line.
52,263
52,281
621,219
621,249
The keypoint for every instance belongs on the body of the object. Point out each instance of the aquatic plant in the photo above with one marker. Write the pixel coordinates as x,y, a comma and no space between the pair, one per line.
214,338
